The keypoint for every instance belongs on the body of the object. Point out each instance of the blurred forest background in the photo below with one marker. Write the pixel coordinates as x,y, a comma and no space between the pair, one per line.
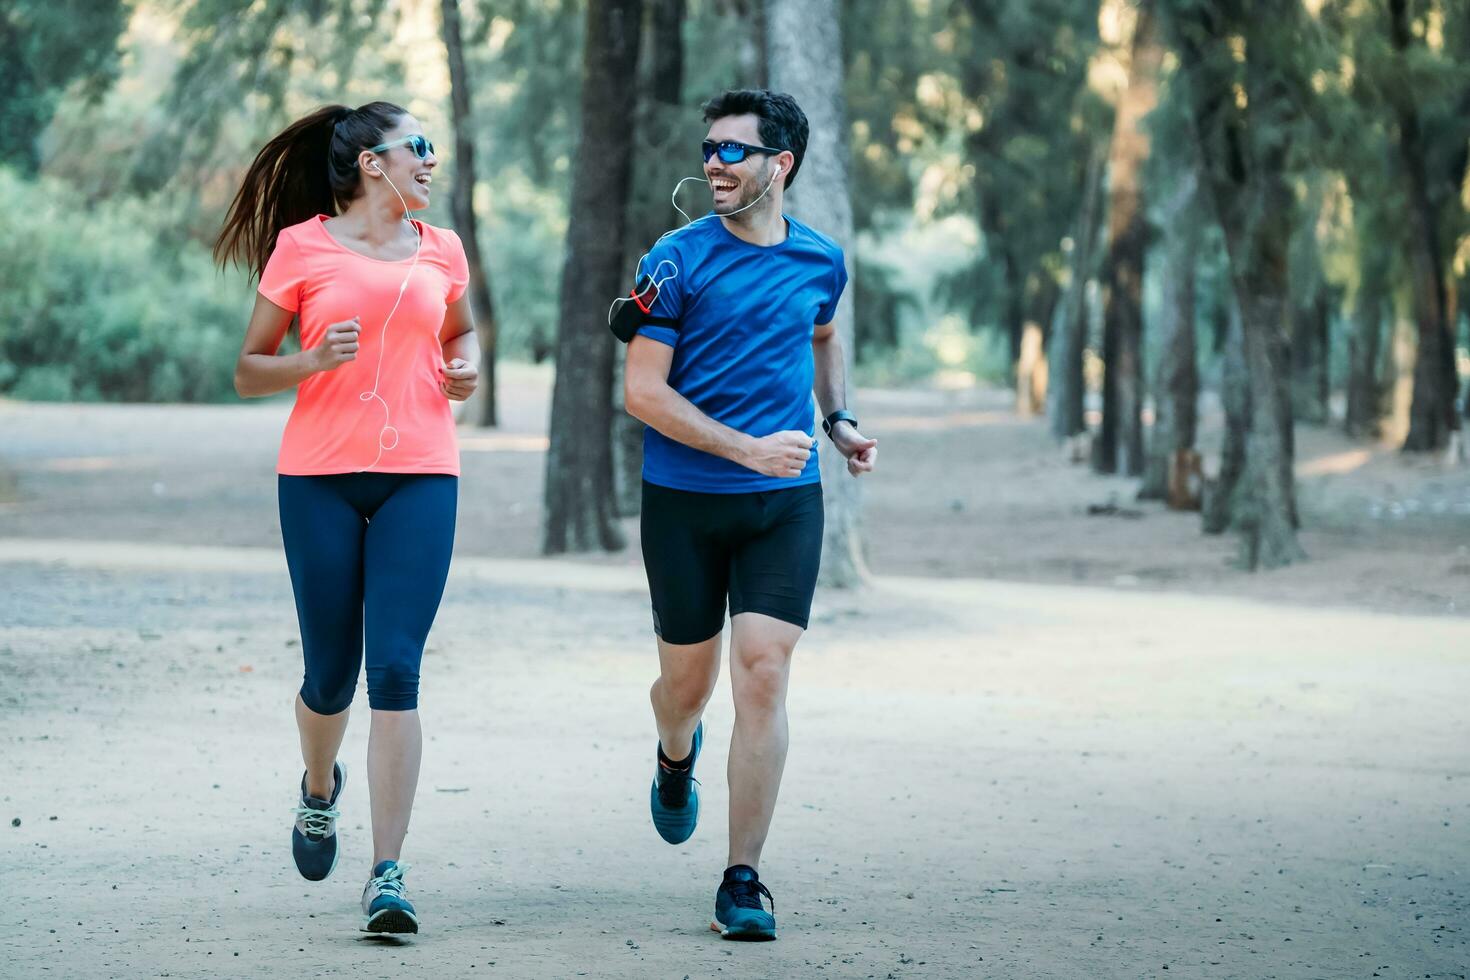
1118,208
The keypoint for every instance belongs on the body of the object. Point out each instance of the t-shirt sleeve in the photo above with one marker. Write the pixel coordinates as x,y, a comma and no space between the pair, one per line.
459,268
839,283
284,275
662,263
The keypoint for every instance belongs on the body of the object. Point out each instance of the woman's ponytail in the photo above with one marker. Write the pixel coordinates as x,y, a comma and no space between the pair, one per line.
309,168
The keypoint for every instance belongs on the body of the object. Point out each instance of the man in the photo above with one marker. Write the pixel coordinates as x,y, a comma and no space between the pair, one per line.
722,370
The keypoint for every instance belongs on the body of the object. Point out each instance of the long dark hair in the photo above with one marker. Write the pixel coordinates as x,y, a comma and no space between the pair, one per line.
309,168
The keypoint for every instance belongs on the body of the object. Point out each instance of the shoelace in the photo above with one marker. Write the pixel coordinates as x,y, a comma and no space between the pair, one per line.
747,894
390,882
673,788
317,822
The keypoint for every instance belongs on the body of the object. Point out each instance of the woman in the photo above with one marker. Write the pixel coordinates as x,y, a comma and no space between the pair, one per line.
369,467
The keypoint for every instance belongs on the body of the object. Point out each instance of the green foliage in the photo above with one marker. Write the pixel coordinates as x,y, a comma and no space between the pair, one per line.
972,122
91,309
721,50
883,305
979,109
205,83
45,45
1024,70
264,63
522,240
526,59
889,148
1358,93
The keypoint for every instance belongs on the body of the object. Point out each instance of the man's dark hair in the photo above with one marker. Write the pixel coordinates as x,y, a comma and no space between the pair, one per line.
782,123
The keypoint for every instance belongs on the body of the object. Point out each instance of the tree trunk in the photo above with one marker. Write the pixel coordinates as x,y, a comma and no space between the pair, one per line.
752,53
579,479
1120,442
1235,398
663,137
1031,366
1266,516
1367,387
481,406
1176,383
1014,308
1310,332
1065,387
1432,414
1364,390
1031,370
1243,149
803,46
1398,373
1310,314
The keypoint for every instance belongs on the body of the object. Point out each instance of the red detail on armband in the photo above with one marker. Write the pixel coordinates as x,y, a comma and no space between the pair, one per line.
647,298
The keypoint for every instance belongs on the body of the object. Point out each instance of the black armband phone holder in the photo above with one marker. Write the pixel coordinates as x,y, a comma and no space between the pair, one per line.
635,311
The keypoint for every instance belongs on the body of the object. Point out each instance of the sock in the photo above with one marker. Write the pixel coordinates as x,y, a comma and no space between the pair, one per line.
671,764
741,872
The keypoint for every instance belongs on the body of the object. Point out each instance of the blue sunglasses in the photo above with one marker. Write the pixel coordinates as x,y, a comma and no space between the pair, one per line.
421,147
732,152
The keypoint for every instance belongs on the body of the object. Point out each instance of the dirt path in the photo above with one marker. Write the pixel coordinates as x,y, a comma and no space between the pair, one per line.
986,780
1101,775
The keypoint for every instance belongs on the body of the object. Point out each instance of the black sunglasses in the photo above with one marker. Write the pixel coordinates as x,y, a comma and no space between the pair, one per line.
731,151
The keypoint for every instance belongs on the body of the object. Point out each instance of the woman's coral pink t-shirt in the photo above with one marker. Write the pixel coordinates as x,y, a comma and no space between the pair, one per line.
337,424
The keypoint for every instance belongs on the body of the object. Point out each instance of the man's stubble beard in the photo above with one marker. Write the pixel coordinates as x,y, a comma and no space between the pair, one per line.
751,213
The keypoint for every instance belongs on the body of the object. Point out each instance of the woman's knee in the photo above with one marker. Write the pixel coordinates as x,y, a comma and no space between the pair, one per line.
393,686
327,696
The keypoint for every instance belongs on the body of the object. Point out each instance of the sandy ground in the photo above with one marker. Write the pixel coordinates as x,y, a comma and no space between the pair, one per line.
987,778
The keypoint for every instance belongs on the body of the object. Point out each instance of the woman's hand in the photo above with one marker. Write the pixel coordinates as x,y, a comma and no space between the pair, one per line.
460,379
338,346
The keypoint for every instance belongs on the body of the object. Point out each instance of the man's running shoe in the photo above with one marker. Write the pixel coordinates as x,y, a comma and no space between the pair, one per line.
739,913
387,908
673,797
314,838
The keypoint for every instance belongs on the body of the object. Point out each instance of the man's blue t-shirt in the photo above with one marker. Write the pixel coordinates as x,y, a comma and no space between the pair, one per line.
743,350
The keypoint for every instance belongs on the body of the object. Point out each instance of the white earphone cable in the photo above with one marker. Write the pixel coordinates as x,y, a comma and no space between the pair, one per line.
372,394
674,200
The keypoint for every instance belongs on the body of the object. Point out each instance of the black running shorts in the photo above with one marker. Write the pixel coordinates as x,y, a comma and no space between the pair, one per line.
761,550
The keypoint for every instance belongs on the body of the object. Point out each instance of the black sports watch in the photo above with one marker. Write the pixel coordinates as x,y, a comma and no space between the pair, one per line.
841,415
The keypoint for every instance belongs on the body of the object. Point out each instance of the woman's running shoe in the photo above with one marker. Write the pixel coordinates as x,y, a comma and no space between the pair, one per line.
314,838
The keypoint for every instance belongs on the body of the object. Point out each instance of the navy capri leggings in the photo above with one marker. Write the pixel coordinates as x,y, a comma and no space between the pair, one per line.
368,554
